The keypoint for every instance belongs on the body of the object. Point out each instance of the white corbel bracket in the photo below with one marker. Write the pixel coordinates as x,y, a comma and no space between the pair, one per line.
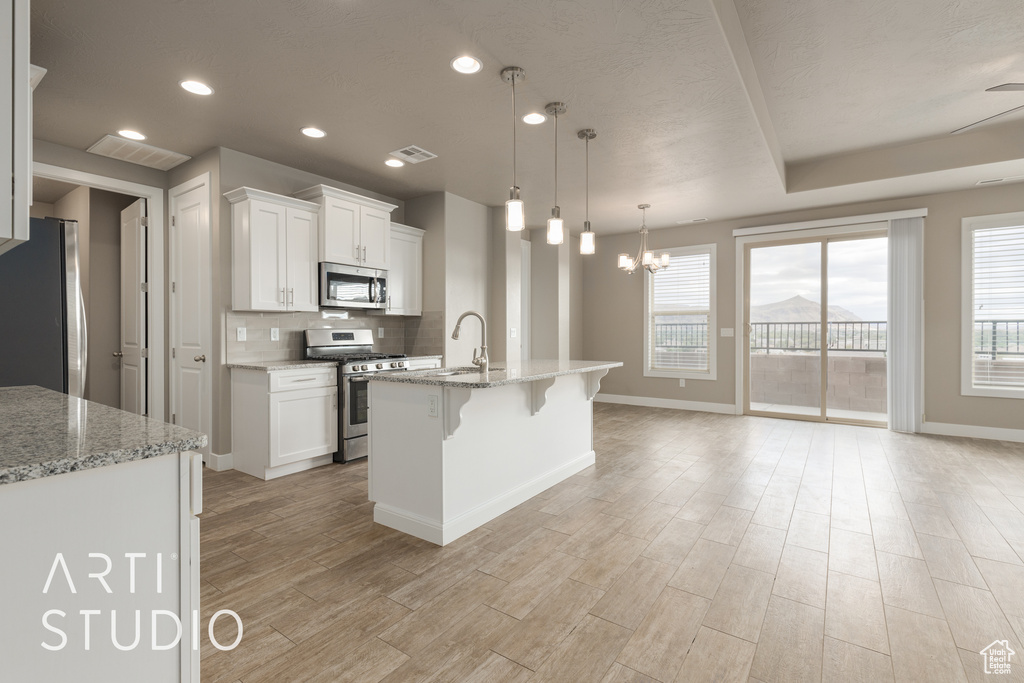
455,398
539,393
594,382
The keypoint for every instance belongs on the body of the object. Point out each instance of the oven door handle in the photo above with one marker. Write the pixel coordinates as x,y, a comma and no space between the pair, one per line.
361,380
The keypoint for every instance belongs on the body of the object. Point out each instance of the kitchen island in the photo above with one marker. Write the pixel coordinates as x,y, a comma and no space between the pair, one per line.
453,448
98,508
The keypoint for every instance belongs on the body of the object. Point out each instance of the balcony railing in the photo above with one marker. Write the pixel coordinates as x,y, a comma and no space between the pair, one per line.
992,338
997,338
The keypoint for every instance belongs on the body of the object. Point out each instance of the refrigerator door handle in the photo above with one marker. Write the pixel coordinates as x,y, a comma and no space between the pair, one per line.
84,341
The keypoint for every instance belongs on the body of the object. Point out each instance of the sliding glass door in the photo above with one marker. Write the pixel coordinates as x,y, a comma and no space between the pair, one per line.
816,328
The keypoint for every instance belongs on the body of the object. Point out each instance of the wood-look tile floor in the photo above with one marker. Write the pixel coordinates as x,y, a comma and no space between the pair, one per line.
699,548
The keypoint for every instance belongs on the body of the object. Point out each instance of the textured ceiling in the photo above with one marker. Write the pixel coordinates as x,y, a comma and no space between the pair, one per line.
655,78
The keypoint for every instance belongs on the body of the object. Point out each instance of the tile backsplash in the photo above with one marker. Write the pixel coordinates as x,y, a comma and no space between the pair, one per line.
412,336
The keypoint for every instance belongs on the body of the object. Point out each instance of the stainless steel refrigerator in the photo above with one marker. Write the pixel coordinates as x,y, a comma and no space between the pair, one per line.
43,336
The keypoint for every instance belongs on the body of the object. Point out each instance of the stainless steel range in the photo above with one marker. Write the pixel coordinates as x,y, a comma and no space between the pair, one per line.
353,349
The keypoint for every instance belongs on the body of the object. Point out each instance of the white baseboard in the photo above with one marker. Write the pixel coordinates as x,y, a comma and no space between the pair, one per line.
700,406
443,533
973,431
219,463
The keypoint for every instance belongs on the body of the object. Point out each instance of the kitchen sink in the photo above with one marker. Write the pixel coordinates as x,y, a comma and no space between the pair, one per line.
448,372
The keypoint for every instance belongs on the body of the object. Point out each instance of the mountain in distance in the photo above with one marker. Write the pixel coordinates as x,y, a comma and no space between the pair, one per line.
797,309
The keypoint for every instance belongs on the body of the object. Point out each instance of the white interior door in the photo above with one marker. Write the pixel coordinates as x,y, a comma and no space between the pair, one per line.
134,352
191,346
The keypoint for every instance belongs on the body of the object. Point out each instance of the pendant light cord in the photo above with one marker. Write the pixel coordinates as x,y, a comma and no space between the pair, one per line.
587,218
514,131
556,159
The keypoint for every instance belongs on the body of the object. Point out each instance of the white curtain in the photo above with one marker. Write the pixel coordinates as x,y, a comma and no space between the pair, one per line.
906,324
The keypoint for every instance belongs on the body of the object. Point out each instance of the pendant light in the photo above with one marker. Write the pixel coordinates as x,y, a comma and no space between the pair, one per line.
515,212
556,227
645,257
587,236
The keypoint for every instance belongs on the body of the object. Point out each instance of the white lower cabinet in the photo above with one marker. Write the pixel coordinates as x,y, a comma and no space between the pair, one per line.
283,421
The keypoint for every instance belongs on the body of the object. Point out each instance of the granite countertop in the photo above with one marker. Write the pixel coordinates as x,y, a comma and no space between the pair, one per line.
271,365
44,432
498,375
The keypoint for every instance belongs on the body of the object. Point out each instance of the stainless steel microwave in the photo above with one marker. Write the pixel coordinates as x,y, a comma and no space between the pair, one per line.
352,287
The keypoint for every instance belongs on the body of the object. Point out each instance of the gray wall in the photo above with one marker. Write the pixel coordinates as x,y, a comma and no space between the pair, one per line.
543,296
613,304
456,266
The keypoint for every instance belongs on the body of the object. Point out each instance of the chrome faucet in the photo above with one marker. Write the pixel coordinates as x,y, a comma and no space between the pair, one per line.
481,360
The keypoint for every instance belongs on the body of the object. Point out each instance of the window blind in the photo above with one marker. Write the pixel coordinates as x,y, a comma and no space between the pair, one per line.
680,306
998,306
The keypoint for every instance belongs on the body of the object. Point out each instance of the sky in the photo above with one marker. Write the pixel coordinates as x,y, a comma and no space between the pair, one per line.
857,275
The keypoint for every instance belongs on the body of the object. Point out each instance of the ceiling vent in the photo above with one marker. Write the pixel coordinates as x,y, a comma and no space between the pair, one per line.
413,154
137,153
993,181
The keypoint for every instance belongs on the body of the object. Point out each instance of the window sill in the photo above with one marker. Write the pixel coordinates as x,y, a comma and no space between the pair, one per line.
682,374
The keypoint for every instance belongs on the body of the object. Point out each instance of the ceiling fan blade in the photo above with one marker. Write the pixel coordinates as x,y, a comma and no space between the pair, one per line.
1006,87
978,123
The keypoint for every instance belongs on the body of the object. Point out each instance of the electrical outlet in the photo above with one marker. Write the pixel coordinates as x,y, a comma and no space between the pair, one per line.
240,334
431,405
380,333
682,382
512,333
727,332
275,334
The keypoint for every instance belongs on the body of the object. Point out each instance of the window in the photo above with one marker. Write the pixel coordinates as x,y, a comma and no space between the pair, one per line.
992,335
679,315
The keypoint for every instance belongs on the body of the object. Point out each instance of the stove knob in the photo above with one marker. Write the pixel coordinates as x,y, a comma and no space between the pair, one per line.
401,363
380,366
363,367
394,365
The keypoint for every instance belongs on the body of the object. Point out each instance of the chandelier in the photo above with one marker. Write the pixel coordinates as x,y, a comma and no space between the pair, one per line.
644,257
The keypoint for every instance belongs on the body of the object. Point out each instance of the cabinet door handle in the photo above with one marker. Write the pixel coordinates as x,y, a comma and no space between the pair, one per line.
364,254
282,295
118,354
291,296
389,302
305,379
200,359
334,399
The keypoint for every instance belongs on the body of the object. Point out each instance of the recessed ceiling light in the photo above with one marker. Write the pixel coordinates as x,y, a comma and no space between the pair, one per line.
131,134
395,163
534,118
466,64
196,87
312,132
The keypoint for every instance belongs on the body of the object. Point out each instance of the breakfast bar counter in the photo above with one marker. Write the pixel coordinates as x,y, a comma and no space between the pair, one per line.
453,448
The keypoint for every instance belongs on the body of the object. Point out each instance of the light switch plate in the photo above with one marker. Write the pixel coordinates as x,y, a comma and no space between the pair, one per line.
682,382
727,332
275,334
240,334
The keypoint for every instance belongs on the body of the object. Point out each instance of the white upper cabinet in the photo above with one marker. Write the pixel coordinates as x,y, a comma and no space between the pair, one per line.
273,252
354,230
15,124
405,278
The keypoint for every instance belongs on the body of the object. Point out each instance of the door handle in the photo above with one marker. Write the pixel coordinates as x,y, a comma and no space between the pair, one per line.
291,296
200,359
282,295
118,354
364,254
